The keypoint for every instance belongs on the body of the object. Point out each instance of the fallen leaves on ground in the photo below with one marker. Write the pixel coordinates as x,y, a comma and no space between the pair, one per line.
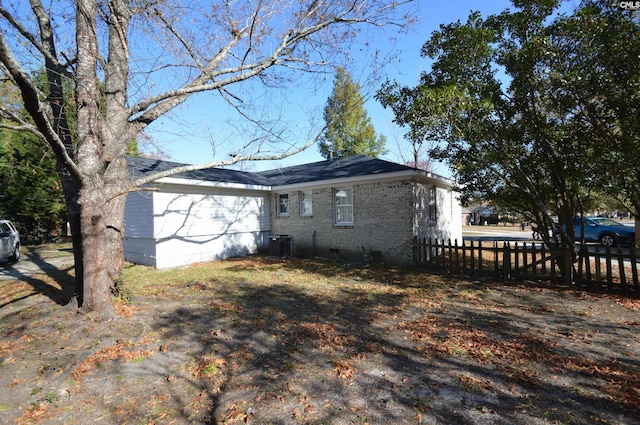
119,350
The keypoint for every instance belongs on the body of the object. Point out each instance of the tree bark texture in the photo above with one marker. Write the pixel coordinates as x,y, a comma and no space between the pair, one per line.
95,278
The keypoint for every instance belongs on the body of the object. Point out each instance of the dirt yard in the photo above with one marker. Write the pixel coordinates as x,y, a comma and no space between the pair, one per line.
305,342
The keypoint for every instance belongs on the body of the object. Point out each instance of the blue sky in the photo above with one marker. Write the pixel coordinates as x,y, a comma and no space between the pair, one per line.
189,134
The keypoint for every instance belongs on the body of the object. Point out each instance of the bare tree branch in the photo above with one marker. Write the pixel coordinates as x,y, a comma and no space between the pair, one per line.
45,49
147,111
234,160
37,109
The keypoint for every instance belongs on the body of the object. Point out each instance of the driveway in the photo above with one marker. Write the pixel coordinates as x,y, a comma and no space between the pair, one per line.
37,260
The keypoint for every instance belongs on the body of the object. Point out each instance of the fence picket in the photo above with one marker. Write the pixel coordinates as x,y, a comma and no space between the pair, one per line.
607,256
479,256
634,266
598,265
623,281
516,258
524,260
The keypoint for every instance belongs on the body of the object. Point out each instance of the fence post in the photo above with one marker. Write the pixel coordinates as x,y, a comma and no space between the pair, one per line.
506,261
623,280
634,265
567,267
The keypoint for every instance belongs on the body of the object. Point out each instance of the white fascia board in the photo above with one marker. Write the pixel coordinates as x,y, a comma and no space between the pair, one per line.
397,175
429,176
206,183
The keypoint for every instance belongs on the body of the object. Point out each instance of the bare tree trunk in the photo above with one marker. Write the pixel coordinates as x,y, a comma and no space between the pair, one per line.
114,220
70,189
96,282
117,132
96,294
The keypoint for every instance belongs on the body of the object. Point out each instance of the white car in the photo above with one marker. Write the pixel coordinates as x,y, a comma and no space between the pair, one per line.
9,242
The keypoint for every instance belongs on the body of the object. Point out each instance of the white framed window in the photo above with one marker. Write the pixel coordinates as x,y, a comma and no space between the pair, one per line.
306,204
433,207
343,206
283,204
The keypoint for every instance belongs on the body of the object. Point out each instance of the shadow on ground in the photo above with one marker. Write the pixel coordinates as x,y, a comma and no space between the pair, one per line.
305,342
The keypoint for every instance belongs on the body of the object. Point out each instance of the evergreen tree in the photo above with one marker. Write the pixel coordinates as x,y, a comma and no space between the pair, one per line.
349,129
31,194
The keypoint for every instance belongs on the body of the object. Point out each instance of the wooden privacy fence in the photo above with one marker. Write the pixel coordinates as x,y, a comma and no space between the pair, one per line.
616,268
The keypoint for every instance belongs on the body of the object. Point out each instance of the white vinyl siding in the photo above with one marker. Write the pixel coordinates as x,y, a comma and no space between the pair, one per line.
343,206
170,228
138,215
187,215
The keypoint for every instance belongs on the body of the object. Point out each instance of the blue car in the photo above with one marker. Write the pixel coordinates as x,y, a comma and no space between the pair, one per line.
604,230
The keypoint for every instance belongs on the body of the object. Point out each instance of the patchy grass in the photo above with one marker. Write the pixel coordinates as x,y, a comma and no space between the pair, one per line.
305,342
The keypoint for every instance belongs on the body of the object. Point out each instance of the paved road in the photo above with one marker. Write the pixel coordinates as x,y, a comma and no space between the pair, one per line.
495,233
504,233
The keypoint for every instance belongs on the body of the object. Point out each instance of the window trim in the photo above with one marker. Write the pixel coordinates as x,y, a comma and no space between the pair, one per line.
433,204
336,207
280,198
302,203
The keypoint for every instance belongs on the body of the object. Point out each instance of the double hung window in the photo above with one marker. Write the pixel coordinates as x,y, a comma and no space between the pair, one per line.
306,206
343,206
283,204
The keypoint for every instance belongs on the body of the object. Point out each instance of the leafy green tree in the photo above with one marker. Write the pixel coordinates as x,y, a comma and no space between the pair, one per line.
527,103
31,194
594,79
348,128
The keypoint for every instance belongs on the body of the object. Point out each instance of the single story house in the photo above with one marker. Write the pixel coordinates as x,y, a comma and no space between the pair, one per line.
483,215
354,207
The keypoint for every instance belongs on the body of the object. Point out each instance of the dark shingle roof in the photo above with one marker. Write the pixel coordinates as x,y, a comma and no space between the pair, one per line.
351,166
140,166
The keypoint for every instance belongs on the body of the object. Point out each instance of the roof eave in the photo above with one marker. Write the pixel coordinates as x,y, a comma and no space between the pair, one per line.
395,175
207,183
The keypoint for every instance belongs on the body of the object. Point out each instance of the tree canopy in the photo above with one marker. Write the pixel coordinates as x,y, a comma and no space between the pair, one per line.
349,130
537,110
